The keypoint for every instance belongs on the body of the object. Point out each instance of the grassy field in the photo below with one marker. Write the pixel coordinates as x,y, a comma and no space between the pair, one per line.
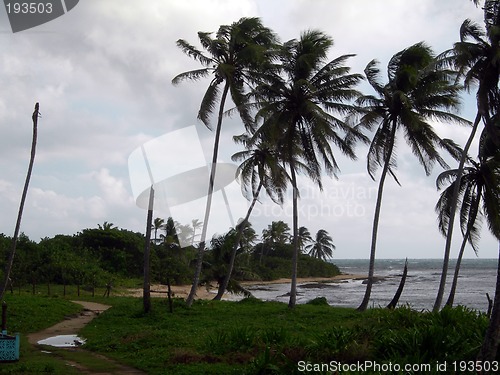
250,336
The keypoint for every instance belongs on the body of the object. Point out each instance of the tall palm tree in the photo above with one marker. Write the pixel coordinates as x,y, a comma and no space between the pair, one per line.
158,224
260,168
475,58
477,186
235,57
322,247
301,108
417,91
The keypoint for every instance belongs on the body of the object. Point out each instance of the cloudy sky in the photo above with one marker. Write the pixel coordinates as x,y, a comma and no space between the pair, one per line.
102,74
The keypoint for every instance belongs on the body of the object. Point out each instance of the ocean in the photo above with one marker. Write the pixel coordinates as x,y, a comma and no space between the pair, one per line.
477,277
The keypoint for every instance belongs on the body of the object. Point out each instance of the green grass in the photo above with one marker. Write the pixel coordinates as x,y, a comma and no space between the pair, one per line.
255,337
26,314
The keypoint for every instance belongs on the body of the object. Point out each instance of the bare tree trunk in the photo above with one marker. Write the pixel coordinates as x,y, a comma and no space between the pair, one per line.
376,218
169,296
8,266
241,228
454,202
295,255
491,340
395,300
470,225
146,294
201,246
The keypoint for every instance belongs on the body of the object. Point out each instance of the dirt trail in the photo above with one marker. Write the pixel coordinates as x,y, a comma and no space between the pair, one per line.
72,325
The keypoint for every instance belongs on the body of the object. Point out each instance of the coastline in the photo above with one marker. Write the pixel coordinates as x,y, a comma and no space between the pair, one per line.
182,291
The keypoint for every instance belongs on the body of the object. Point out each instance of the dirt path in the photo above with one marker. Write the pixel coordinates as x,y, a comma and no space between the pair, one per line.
72,325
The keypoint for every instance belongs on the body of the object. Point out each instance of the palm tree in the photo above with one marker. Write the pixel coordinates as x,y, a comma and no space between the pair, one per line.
299,108
236,55
10,261
477,185
261,168
217,265
170,236
106,226
417,91
322,247
158,224
304,238
277,233
475,58
197,224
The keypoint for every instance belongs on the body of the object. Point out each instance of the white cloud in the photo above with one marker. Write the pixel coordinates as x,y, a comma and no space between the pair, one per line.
102,76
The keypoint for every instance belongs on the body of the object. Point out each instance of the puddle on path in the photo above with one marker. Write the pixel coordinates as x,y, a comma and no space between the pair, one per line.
63,341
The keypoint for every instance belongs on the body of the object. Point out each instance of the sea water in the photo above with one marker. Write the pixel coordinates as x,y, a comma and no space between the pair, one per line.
477,277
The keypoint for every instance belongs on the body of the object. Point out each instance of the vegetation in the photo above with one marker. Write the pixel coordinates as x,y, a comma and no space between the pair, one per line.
255,337
297,107
108,256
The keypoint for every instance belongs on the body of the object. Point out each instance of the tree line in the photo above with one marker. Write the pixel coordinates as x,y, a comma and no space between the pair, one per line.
300,109
103,256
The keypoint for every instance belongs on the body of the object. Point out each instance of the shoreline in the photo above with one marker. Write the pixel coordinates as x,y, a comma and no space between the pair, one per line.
204,293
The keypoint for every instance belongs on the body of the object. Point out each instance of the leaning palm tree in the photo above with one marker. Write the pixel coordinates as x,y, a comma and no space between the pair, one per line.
216,268
322,246
475,57
261,168
416,92
301,108
476,188
235,57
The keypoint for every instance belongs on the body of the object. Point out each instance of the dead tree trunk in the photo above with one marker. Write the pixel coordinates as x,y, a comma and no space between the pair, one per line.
8,266
395,300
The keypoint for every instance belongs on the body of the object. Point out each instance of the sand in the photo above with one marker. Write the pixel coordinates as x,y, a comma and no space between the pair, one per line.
182,291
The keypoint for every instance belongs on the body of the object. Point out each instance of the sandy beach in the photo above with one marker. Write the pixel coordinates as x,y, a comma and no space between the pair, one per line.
182,291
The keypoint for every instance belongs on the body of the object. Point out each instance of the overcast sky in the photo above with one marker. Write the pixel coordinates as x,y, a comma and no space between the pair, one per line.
102,74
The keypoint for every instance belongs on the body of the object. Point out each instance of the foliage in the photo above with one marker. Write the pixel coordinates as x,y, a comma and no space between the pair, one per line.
266,337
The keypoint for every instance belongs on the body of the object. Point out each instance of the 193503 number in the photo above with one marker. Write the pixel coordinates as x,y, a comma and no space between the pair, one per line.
29,8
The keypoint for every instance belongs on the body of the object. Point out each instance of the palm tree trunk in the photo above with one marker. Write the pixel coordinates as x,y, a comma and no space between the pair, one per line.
376,218
8,266
241,228
295,255
201,246
491,340
454,202
454,283
146,295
